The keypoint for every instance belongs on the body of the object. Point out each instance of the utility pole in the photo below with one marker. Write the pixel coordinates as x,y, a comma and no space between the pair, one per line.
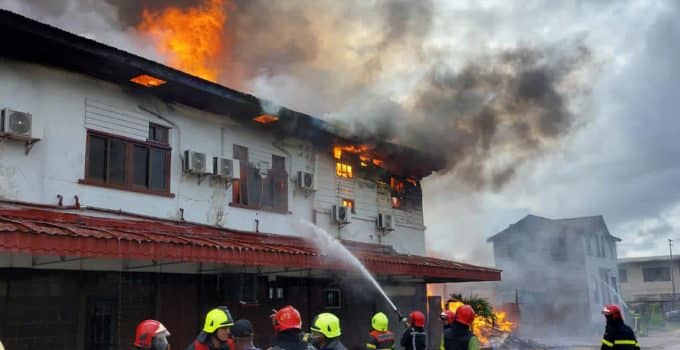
670,251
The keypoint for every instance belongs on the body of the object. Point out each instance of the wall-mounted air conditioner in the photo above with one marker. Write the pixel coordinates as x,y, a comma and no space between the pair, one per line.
195,162
385,222
340,214
226,168
305,180
16,124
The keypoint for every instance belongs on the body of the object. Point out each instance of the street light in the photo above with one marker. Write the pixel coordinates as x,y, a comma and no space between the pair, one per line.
670,251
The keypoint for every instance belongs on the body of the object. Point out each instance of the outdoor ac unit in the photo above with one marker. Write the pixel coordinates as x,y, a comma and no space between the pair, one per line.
305,180
340,214
226,168
385,222
15,123
195,162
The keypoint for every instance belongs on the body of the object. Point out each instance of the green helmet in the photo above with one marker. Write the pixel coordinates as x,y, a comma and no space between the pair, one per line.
327,324
217,318
379,322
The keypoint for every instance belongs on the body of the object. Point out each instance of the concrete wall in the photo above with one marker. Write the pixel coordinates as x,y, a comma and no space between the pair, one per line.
636,289
64,105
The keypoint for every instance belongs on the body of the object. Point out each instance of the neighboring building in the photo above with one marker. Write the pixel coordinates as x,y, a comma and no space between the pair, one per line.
648,279
111,211
561,271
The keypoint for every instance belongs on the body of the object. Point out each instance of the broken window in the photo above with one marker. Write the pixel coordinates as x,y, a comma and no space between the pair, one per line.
343,170
127,164
349,203
259,188
406,194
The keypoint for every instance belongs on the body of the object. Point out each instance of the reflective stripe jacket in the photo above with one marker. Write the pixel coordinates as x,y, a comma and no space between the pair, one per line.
618,336
380,340
414,338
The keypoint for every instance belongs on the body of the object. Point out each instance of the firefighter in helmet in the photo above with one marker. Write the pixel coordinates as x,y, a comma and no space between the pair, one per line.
216,333
414,336
326,332
447,317
617,335
380,338
458,336
152,335
287,324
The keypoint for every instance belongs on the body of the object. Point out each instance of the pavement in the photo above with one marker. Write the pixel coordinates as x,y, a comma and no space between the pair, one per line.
656,340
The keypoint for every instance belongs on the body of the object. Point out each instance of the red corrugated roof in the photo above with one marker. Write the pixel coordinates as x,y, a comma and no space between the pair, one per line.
41,231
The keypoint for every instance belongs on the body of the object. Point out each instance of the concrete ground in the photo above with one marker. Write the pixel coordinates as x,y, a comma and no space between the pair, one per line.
656,340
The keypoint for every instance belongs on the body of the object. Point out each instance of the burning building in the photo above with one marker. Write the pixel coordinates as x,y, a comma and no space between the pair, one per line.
560,272
132,190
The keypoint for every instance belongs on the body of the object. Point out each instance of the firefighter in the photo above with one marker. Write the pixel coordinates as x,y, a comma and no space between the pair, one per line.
287,324
326,332
151,334
242,333
617,335
215,333
458,336
380,338
447,317
414,336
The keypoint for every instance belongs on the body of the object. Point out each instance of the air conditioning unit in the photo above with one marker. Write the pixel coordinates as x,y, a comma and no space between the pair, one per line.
226,168
340,214
305,180
195,162
15,123
385,222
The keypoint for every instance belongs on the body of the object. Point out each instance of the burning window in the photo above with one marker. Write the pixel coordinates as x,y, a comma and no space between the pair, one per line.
349,203
405,194
266,118
343,170
147,80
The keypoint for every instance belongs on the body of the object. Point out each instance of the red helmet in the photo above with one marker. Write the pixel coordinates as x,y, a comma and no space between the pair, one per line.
465,315
416,319
286,318
151,334
447,316
612,310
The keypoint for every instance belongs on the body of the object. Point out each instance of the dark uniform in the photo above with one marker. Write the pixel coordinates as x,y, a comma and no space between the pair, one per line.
414,339
291,339
202,342
378,340
334,344
459,337
618,336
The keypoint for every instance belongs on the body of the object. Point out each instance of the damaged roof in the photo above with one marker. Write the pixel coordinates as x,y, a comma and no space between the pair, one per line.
68,232
31,41
580,225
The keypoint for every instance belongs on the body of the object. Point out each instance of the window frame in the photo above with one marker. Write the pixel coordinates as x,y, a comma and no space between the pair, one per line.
240,197
128,184
647,277
352,204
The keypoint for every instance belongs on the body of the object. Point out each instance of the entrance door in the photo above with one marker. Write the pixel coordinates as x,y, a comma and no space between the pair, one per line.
101,324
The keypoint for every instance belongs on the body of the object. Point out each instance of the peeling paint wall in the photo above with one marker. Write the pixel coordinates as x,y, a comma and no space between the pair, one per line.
64,105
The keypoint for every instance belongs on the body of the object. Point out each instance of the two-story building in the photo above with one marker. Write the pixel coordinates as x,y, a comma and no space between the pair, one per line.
650,279
130,190
561,271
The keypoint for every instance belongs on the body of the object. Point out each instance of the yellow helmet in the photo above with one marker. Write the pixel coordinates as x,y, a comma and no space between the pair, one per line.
217,318
379,322
327,324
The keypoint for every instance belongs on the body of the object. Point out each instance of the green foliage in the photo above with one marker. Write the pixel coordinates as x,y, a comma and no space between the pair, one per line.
481,306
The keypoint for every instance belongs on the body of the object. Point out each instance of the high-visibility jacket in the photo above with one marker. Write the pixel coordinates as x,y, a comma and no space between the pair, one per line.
380,340
618,336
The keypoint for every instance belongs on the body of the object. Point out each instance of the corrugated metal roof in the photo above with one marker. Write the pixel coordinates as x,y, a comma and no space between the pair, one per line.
41,231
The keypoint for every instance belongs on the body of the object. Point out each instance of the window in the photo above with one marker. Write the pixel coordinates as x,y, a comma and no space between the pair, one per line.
158,133
406,194
558,250
332,298
656,274
623,275
349,203
260,189
343,170
589,247
276,293
127,164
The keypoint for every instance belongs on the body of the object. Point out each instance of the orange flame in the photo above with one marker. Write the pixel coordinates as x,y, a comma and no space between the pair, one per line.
484,328
190,40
